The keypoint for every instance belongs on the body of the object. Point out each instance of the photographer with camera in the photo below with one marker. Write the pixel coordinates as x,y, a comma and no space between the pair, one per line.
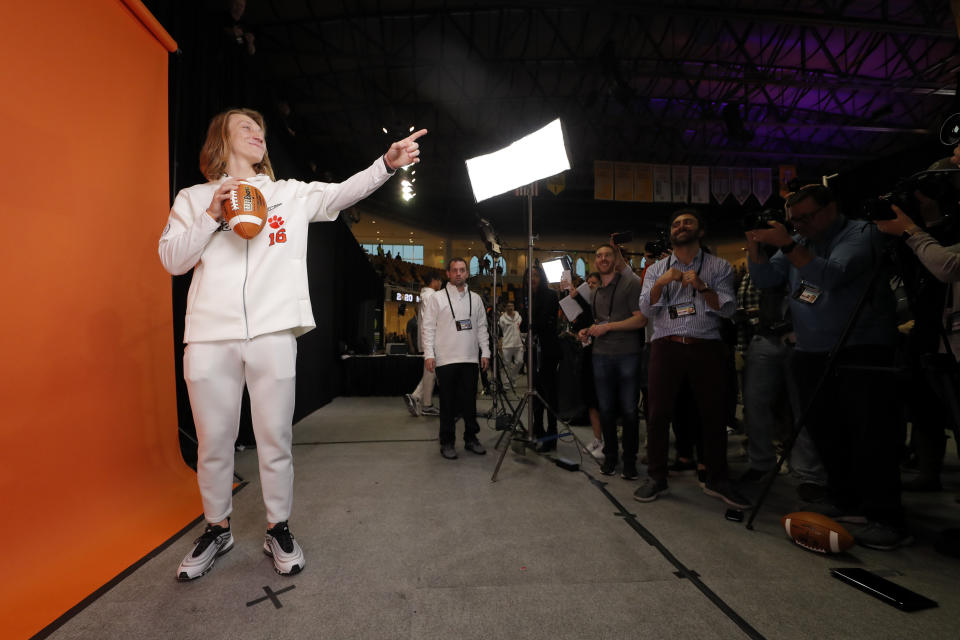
768,384
926,266
653,251
828,265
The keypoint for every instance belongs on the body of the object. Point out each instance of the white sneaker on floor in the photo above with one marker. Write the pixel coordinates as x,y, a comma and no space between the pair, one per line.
280,545
595,449
212,543
429,410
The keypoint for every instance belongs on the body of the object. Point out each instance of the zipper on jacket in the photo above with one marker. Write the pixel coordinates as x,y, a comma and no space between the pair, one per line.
246,270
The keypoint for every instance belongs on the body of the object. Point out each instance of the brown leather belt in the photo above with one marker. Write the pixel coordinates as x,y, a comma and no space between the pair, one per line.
686,339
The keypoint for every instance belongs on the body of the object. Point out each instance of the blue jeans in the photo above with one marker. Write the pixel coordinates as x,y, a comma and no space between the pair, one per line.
615,377
767,377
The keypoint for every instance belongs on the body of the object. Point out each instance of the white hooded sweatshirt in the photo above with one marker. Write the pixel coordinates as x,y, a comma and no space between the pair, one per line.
245,288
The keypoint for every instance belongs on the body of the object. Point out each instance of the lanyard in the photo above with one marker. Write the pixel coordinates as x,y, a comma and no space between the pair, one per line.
616,281
666,292
450,302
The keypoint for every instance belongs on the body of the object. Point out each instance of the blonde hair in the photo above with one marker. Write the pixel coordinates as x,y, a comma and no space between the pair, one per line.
216,148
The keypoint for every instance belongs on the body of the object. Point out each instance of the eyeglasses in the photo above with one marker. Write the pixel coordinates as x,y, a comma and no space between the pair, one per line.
806,217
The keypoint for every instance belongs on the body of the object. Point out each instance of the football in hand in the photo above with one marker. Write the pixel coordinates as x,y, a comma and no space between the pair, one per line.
245,210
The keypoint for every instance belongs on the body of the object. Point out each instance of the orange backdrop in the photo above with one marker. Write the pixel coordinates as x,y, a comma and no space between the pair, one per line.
91,478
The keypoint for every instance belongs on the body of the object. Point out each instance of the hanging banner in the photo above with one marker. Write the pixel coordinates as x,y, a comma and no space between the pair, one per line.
602,180
787,173
557,183
661,183
623,182
720,183
532,189
644,183
700,185
680,177
762,185
741,184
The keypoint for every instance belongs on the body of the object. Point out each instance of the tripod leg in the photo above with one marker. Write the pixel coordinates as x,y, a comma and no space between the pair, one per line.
513,430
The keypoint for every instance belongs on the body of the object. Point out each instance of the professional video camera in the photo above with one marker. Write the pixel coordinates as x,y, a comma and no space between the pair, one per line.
759,219
930,194
659,246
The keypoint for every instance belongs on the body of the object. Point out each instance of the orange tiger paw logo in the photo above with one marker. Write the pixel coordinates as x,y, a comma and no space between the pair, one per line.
275,222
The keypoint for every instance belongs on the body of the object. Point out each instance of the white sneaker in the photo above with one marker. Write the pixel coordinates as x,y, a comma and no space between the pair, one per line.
418,405
286,553
212,543
595,449
411,403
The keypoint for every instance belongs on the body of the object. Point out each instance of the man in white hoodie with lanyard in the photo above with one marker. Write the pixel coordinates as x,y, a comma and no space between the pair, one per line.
454,334
247,304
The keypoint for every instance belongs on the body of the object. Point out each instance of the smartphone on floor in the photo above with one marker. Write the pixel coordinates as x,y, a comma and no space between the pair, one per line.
882,589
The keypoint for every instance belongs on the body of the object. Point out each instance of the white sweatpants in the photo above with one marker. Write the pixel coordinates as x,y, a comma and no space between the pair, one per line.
215,373
513,359
424,390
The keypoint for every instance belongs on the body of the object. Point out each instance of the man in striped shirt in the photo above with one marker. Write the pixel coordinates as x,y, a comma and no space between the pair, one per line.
687,296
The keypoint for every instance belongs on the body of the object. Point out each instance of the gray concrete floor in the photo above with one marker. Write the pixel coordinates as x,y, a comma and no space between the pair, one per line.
402,544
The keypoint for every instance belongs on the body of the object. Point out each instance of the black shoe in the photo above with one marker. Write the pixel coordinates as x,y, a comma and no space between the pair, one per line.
811,492
608,469
726,492
883,537
752,475
448,451
650,489
682,467
474,446
702,477
629,471
546,447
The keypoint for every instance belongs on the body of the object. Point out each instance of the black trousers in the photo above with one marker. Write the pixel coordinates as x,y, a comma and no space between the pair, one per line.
545,382
702,366
458,397
686,424
854,425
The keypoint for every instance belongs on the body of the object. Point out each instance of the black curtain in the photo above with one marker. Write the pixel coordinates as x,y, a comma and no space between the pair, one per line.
341,282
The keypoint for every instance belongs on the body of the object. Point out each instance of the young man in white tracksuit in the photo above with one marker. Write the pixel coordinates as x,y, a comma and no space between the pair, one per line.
248,302
454,334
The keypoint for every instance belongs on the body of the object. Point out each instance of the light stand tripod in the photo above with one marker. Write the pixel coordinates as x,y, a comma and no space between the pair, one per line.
492,242
515,430
535,156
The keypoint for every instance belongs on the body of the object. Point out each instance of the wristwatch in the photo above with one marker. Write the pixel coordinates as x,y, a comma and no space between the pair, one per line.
909,231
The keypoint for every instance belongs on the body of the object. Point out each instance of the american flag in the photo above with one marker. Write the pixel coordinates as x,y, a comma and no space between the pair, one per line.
532,189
